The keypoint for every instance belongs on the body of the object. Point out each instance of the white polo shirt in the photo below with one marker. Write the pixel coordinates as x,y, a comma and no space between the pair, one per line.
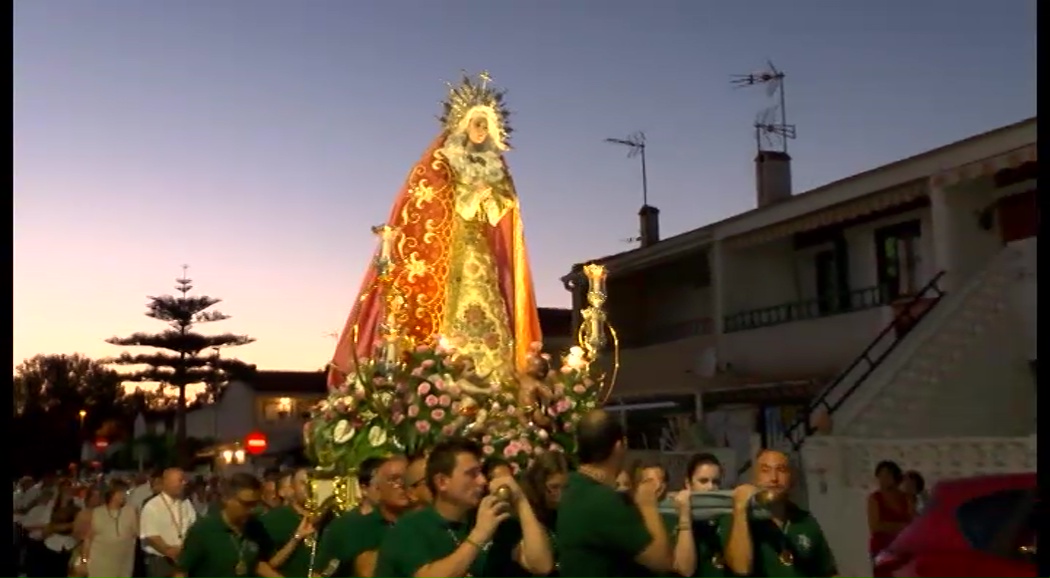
37,518
167,519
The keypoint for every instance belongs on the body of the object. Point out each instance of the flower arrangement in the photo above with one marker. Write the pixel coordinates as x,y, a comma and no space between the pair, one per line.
434,392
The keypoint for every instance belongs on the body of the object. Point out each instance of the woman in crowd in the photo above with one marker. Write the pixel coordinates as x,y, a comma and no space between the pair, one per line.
889,508
914,487
109,549
542,484
82,528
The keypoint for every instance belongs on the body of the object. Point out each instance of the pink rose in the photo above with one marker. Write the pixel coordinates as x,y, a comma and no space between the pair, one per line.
486,439
427,363
566,369
448,430
431,400
423,389
445,401
439,384
413,411
417,372
588,382
487,450
437,414
398,418
563,405
578,389
422,348
423,426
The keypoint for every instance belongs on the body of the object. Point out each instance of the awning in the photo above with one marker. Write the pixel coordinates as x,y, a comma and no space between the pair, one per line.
985,167
835,214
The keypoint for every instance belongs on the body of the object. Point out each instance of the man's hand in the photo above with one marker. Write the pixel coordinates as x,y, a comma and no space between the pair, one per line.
173,552
742,495
305,529
647,493
491,513
683,502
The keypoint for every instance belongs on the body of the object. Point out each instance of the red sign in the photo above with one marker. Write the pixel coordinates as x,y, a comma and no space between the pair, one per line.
101,444
255,443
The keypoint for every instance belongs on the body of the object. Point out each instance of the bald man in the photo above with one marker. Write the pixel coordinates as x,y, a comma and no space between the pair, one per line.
163,524
602,532
791,543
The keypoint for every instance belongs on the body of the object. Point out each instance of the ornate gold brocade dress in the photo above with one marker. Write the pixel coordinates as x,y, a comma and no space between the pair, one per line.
477,319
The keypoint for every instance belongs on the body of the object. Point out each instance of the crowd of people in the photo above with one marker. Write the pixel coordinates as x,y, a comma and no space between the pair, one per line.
448,513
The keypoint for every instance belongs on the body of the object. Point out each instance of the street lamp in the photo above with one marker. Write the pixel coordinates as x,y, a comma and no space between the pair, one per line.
83,414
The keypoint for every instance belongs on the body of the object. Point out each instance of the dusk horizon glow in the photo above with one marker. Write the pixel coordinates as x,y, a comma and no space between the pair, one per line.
258,142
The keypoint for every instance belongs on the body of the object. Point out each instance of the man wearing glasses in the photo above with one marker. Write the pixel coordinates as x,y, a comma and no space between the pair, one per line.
232,541
416,482
291,529
350,548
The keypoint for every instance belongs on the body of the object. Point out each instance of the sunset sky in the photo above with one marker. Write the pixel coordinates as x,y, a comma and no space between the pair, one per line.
257,141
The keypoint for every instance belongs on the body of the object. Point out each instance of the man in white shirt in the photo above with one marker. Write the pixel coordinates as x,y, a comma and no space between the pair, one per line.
163,524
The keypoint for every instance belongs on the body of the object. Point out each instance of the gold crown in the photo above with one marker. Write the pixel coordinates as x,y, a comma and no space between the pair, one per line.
471,94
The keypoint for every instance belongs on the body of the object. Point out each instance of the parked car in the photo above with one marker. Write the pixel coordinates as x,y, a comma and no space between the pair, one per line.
978,526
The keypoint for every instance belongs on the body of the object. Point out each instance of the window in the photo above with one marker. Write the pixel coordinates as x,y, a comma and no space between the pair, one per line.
999,523
897,256
278,409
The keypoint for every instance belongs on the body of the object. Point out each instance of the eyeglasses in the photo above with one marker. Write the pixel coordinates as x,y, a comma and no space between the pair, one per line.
414,484
396,482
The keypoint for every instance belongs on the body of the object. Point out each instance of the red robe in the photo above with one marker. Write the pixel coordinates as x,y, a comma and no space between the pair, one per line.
423,212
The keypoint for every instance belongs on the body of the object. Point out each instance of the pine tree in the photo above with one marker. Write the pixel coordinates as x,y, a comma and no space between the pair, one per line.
181,360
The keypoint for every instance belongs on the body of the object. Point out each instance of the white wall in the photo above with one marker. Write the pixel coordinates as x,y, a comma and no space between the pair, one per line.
820,346
759,276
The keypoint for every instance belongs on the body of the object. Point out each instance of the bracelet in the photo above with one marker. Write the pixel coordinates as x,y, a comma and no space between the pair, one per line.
685,527
467,540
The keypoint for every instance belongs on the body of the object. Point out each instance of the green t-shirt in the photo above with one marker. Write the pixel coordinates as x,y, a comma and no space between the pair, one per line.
599,531
212,548
795,550
424,536
281,524
710,560
346,538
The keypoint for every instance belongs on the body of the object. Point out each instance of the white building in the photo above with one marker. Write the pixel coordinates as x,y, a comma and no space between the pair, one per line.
901,300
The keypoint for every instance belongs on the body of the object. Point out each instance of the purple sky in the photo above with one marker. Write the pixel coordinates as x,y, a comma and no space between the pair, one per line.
258,141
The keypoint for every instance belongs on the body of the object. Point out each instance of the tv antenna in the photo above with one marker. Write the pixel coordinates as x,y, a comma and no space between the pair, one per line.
636,145
772,131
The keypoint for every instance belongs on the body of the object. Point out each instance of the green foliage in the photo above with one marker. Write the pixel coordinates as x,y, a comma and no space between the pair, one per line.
46,383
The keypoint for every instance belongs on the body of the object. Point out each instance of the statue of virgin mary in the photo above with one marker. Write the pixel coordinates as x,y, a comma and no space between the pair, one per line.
460,261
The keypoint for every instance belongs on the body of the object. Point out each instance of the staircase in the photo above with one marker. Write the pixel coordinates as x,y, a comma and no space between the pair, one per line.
835,394
927,376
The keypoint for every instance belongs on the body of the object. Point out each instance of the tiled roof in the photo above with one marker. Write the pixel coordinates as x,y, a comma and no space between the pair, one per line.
288,382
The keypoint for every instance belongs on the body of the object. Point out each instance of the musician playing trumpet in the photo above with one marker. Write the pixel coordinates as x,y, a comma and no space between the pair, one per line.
789,543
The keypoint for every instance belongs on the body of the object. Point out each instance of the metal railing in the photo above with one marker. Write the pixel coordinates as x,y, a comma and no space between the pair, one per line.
870,359
855,300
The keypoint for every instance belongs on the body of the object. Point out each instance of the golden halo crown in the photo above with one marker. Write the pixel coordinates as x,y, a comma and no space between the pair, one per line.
471,94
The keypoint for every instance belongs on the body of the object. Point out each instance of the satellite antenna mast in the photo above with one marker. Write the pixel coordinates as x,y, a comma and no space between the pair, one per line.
636,145
771,133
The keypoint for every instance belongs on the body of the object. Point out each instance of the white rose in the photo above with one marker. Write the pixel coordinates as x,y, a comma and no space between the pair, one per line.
376,436
342,432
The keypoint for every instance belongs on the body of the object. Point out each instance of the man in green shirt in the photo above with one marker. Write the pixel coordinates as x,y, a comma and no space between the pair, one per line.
679,524
291,530
602,532
231,541
416,481
462,533
350,547
789,544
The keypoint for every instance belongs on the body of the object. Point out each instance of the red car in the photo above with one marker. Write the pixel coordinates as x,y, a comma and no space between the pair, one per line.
980,526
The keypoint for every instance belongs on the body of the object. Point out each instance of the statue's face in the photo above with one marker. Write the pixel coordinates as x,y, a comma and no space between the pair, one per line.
478,129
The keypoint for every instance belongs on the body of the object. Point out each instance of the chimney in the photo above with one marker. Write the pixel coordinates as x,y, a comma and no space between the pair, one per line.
772,177
649,218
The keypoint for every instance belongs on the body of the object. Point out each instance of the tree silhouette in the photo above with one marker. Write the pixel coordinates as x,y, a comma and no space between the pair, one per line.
181,360
48,394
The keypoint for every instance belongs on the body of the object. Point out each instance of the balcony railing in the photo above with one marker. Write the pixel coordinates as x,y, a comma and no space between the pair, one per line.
856,300
670,332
